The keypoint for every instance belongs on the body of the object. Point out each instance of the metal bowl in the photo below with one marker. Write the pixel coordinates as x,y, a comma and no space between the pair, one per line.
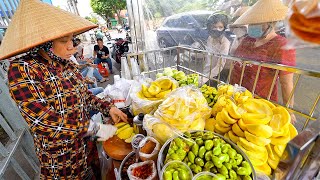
164,150
122,164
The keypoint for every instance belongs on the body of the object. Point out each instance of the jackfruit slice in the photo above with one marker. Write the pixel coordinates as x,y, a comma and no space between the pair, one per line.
250,146
257,106
237,130
280,120
253,118
163,94
125,134
154,90
165,84
260,141
265,168
260,130
145,91
293,131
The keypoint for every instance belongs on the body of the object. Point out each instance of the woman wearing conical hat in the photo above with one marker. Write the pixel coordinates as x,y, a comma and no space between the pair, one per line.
263,44
49,90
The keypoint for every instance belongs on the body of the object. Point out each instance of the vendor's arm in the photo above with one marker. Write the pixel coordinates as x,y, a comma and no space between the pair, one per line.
30,96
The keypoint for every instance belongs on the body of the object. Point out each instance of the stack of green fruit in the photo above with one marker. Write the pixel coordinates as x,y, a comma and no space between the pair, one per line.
177,171
180,76
210,93
203,151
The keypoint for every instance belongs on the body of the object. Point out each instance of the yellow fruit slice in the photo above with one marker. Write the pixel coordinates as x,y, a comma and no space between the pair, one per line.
254,159
163,94
271,152
210,124
260,141
270,104
122,128
226,118
174,86
250,146
257,106
126,133
153,99
281,140
237,130
221,122
281,132
281,119
273,163
120,124
226,135
260,130
165,84
293,131
265,168
130,138
145,91
242,125
252,118
221,129
234,138
233,109
154,90
279,149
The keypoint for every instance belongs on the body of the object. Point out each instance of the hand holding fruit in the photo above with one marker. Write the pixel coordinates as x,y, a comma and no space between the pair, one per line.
117,115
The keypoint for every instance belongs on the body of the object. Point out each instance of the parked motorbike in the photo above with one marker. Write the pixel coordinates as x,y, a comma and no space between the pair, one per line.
119,48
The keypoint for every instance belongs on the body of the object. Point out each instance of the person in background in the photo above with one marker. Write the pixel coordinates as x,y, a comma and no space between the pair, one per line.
101,53
239,31
79,53
99,34
264,45
217,43
50,92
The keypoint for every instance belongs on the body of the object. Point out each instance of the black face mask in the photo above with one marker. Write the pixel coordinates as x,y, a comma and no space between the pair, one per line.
216,33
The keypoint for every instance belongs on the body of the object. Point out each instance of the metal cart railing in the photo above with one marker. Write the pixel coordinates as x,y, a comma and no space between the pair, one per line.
190,60
303,159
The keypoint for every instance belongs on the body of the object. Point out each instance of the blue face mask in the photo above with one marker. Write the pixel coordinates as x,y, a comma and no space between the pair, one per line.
255,31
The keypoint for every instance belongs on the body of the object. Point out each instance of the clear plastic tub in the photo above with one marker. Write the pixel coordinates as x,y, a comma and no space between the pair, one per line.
176,164
205,175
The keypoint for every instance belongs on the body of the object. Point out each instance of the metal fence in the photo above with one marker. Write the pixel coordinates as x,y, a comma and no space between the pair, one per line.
306,84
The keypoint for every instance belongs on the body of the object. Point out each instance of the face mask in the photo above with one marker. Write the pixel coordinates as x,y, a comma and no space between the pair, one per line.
216,33
255,31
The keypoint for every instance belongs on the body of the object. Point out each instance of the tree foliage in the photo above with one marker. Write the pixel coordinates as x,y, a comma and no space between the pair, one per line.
92,19
107,8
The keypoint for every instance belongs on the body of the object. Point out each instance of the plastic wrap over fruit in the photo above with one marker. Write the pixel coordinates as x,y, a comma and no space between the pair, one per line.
184,109
147,96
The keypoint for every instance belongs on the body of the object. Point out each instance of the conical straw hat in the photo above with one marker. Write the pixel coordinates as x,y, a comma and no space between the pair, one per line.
263,11
36,22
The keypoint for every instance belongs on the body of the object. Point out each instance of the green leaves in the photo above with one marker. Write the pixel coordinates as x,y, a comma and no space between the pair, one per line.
107,8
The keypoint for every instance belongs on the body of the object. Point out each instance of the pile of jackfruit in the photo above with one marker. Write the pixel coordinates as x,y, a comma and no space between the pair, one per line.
184,109
257,126
158,89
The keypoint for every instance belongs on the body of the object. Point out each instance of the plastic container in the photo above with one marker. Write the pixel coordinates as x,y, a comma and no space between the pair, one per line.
164,150
179,164
208,175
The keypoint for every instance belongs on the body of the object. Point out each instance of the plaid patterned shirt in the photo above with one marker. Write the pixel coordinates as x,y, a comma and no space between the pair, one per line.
55,103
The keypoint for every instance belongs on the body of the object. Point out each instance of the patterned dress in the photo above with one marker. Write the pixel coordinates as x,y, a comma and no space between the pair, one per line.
55,103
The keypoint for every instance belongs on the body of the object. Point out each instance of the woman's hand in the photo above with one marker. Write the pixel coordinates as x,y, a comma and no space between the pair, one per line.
117,115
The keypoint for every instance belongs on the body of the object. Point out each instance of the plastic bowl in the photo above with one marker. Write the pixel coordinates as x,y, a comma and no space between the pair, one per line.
199,175
164,150
179,163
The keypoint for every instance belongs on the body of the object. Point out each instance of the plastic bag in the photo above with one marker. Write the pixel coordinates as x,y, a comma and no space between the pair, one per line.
147,164
182,107
119,91
158,129
135,70
125,71
303,24
144,106
149,148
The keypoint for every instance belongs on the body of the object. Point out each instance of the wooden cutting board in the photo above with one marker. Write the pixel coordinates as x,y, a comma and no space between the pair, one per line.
116,148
